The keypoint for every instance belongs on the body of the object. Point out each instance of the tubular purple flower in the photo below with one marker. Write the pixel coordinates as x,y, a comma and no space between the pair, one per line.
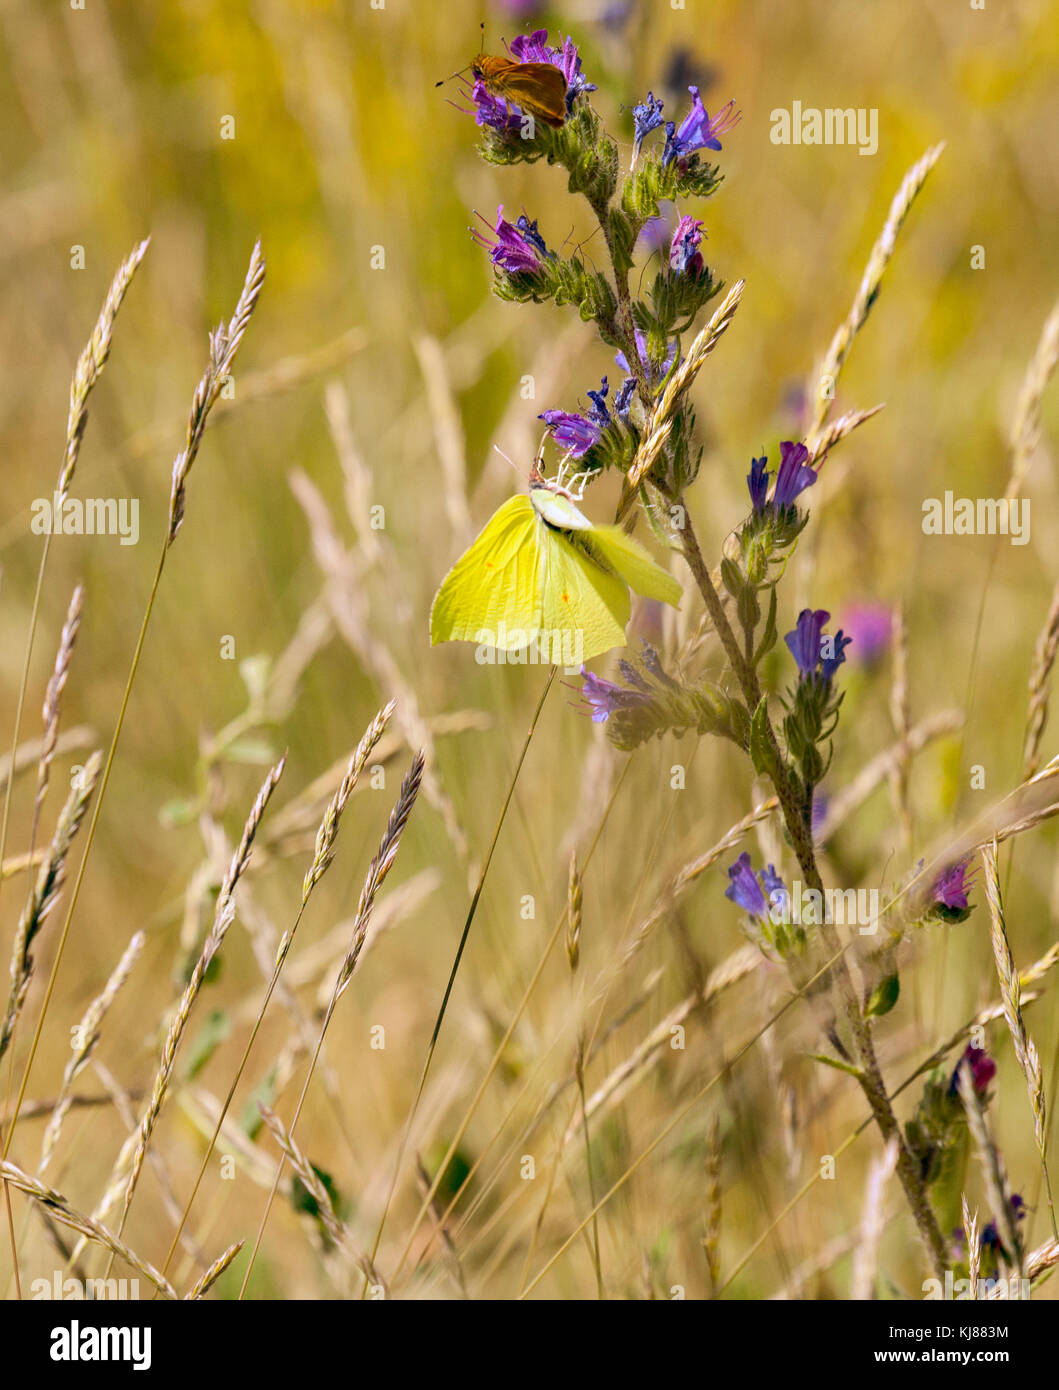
605,697
744,889
757,481
807,645
794,474
515,248
571,432
697,131
804,641
951,887
684,255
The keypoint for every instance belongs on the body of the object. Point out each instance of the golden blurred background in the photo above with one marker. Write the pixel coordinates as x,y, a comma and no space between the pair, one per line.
385,381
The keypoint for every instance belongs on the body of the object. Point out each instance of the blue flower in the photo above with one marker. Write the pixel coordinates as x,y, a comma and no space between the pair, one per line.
793,476
623,399
697,131
757,481
645,118
754,893
808,643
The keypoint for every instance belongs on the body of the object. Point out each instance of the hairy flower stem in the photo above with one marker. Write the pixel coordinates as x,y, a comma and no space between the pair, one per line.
796,816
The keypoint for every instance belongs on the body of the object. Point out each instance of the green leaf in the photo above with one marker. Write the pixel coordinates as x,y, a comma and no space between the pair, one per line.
883,997
762,753
210,1036
732,576
835,1062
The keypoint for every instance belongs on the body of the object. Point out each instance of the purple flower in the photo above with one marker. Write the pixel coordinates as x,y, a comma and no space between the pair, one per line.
519,249
684,255
807,645
534,48
757,481
982,1066
951,888
605,697
645,118
744,889
492,111
654,371
578,433
599,413
794,475
697,131
792,478
871,627
571,432
623,399
754,893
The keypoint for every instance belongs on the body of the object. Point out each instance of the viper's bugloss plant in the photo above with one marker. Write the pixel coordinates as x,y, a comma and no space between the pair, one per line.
645,430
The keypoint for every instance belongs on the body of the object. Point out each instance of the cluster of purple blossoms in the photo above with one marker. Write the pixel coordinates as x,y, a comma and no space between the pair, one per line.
793,476
516,247
494,112
818,655
754,893
685,258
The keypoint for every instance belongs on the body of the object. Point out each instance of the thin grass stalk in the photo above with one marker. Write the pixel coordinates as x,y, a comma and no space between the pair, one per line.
996,1183
377,872
87,372
1011,995
224,916
471,911
214,1272
43,899
57,1207
867,292
87,1035
322,857
225,340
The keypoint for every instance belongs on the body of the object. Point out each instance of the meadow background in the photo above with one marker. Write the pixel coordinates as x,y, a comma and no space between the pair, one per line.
389,387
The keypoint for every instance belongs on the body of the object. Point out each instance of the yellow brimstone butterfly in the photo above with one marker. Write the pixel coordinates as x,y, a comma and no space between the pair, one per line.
541,570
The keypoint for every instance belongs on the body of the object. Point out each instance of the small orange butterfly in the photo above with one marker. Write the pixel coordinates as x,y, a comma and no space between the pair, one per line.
538,89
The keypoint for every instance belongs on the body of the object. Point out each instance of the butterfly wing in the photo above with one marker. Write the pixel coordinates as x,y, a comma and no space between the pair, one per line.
538,88
578,596
492,592
618,550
